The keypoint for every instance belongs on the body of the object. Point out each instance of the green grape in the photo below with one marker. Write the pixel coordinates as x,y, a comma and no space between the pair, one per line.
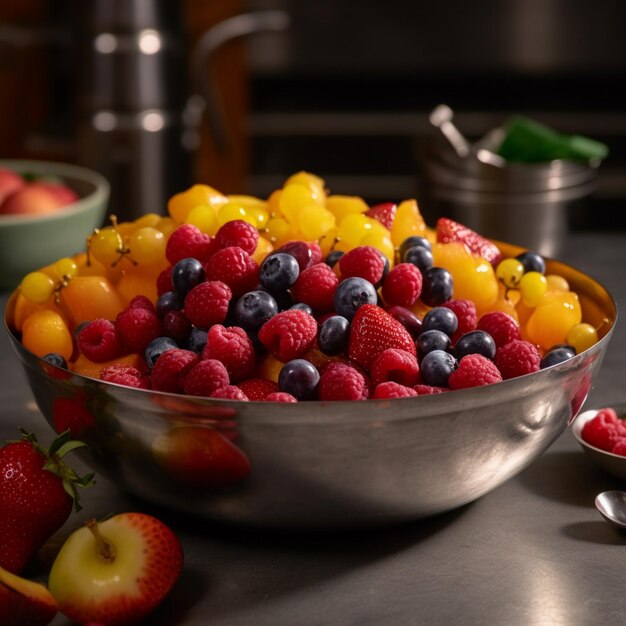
147,245
532,286
510,272
37,287
582,336
106,245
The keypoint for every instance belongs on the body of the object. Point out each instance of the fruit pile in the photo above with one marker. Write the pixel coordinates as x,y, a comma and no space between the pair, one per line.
303,296
606,431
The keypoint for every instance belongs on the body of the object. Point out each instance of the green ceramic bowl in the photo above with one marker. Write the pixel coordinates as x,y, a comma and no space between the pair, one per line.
30,242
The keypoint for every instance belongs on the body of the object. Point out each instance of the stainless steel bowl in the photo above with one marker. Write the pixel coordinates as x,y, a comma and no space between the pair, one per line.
328,464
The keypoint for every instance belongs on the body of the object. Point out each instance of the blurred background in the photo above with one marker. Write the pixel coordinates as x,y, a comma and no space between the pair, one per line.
157,95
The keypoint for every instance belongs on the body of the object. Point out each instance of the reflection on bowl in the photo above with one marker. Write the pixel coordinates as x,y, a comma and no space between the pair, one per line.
28,242
322,464
612,463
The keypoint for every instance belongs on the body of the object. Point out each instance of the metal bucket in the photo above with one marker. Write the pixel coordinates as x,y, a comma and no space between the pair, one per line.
529,205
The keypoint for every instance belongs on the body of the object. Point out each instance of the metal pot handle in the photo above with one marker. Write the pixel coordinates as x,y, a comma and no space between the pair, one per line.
204,98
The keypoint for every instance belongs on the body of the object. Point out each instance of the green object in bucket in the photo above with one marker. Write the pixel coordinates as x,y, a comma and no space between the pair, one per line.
527,141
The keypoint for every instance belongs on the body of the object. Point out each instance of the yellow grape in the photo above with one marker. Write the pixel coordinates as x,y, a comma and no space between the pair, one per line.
148,219
278,230
582,336
314,221
293,199
380,242
533,286
556,283
166,225
510,272
64,267
181,203
315,184
147,245
231,211
37,287
328,240
203,217
352,228
340,206
106,245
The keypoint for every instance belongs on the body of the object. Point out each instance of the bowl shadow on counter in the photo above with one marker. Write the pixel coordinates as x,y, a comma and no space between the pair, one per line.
567,477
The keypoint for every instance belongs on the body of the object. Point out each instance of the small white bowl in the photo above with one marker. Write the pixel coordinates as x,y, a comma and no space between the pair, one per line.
613,463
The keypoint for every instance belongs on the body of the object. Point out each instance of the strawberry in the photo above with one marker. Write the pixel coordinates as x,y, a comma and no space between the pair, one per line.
384,213
448,230
37,491
373,330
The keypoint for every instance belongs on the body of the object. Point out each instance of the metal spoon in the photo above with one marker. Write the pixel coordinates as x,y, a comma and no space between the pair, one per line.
612,507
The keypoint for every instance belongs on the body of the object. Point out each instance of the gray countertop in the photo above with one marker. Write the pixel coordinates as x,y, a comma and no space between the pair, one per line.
533,551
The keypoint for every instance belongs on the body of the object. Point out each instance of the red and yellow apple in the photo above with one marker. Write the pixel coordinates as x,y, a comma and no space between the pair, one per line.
24,602
10,182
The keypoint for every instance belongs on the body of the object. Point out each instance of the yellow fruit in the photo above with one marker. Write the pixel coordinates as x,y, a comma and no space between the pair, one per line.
553,318
90,297
473,277
263,248
204,218
340,206
582,336
408,222
181,203
46,331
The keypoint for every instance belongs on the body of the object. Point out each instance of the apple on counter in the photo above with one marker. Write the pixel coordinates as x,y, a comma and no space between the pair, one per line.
32,195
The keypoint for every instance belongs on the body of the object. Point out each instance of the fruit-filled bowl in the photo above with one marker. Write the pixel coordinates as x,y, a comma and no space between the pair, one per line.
47,209
324,464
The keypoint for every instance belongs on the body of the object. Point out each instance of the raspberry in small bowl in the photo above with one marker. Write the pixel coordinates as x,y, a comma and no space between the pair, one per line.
601,432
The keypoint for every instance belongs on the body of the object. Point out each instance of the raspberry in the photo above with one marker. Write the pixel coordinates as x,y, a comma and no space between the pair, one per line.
428,390
189,241
391,389
137,327
316,287
395,365
605,430
619,447
235,267
501,326
465,311
233,348
289,334
280,396
171,369
205,377
71,414
516,358
316,252
230,392
474,370
257,389
237,233
176,326
342,382
363,262
98,341
142,302
121,375
403,285
164,281
207,303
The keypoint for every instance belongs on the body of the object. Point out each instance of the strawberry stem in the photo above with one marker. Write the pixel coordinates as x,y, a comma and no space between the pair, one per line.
104,548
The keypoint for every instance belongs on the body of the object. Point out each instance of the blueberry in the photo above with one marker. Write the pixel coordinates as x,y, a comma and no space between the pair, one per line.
555,356
197,340
157,347
300,378
186,274
302,306
351,293
284,300
436,368
431,340
476,342
421,257
413,242
278,272
332,257
254,308
437,286
333,335
441,318
56,359
532,262
169,301
408,319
